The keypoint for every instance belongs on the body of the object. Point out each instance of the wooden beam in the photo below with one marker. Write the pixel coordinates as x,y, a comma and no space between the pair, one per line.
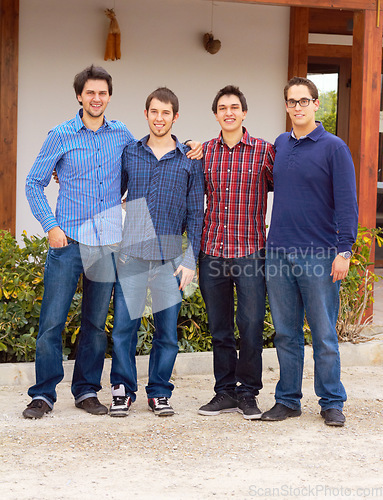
9,37
298,45
299,39
365,111
330,21
326,4
333,51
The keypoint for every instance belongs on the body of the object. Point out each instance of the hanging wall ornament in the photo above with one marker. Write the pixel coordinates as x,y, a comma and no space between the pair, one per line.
210,44
113,42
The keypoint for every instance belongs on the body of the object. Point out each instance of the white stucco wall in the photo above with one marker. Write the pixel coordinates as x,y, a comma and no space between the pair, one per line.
161,45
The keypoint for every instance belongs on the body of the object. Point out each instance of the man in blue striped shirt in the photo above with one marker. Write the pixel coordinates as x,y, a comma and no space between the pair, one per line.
86,153
165,194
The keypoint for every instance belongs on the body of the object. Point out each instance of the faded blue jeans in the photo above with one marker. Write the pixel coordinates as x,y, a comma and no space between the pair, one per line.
63,268
299,283
135,277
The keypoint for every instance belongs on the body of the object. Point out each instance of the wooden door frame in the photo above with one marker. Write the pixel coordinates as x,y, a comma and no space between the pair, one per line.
9,64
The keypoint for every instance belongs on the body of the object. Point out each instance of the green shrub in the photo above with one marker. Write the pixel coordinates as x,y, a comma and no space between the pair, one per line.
21,291
356,292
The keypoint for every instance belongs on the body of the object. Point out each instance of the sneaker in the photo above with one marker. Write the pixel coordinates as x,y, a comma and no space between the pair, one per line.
333,417
221,403
120,403
36,409
160,406
92,405
280,412
248,406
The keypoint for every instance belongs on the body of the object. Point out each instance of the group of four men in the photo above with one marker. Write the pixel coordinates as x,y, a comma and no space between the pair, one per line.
313,227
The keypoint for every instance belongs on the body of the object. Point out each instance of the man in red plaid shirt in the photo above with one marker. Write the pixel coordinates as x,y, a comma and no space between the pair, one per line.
238,175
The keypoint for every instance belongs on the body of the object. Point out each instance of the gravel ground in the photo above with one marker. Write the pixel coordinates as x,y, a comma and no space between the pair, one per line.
70,454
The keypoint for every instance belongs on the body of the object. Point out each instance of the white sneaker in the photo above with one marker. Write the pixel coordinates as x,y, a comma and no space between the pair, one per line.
120,403
160,406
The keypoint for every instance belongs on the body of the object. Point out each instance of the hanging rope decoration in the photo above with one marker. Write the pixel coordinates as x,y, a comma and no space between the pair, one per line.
113,42
209,42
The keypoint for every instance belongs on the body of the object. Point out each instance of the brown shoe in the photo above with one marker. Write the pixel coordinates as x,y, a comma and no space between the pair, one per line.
92,405
36,409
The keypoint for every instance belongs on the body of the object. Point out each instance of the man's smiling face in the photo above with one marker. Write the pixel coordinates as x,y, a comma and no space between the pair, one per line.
229,113
94,97
300,116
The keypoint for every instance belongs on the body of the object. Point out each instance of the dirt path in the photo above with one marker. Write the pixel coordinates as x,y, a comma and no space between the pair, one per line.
72,455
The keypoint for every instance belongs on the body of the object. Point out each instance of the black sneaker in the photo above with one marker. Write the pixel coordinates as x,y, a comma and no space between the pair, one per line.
221,403
36,409
92,405
160,406
120,403
248,406
333,417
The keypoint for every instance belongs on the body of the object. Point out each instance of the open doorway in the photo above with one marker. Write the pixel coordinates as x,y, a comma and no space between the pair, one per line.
327,84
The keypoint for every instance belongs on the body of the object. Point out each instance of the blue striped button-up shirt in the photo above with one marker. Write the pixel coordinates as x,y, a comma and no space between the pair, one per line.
88,166
165,198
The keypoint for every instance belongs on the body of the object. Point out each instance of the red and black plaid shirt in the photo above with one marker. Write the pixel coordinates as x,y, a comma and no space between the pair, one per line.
237,181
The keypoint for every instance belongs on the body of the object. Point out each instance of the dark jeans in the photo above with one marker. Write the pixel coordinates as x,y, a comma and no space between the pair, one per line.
217,277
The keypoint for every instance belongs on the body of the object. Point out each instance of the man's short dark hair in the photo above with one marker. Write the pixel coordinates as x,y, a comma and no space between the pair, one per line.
91,73
229,90
164,95
299,80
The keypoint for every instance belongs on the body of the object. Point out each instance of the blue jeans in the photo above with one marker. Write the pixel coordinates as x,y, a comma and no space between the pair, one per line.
63,268
135,277
297,283
217,278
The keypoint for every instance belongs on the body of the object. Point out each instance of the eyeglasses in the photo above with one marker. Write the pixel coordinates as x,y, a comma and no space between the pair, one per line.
303,103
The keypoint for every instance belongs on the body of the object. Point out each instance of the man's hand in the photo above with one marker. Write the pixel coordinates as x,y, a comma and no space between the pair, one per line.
195,152
339,269
57,238
186,277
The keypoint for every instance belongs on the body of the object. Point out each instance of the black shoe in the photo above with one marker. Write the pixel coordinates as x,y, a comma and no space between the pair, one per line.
36,409
92,405
334,417
160,406
120,403
221,403
280,412
248,406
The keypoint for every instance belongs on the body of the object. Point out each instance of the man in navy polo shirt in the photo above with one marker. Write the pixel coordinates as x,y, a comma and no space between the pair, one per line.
313,227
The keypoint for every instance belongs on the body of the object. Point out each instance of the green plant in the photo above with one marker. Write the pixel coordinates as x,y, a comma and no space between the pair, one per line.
327,110
21,291
356,292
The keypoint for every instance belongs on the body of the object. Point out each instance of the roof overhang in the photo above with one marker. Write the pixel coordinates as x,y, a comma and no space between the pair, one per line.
327,4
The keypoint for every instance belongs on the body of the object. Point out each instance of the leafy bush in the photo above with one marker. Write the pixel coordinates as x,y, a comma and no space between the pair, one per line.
21,292
356,292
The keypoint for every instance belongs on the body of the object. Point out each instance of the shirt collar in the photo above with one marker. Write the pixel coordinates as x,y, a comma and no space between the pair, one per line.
314,135
181,147
79,124
245,137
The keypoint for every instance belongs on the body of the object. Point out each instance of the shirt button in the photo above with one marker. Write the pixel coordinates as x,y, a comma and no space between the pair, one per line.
228,170
225,207
227,189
